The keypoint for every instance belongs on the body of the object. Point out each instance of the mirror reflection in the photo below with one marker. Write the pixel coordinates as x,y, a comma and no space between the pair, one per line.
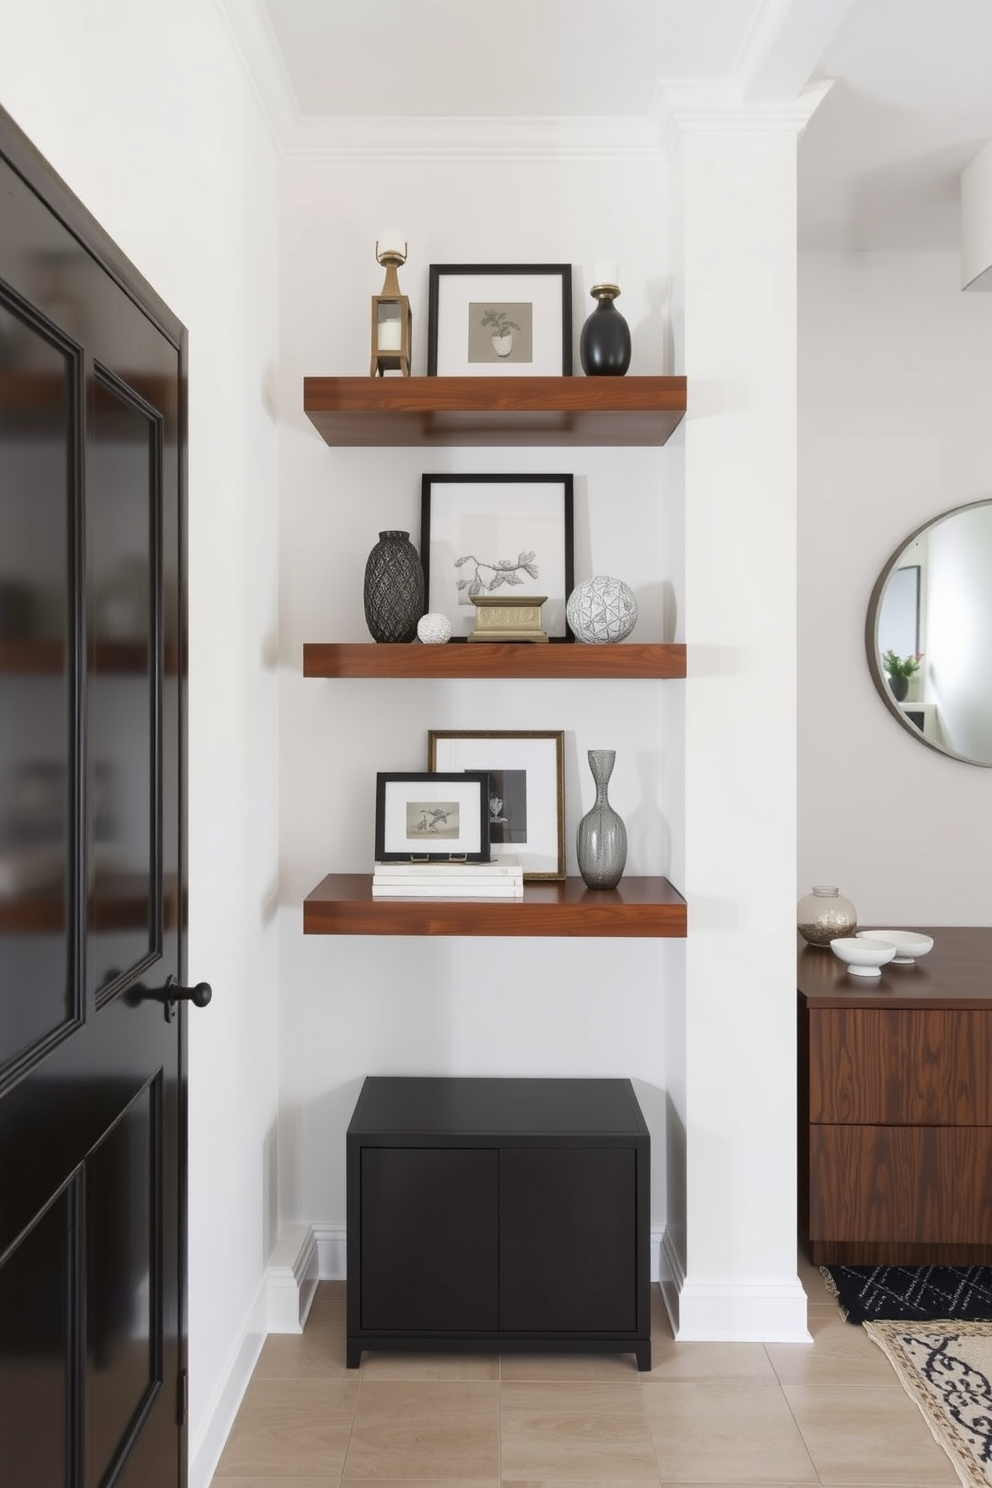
929,633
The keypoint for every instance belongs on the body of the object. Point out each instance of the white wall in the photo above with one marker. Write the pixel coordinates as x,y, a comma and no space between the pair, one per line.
356,1006
145,112
895,388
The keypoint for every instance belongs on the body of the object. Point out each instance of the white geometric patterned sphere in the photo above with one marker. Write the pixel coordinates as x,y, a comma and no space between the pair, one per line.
434,630
602,609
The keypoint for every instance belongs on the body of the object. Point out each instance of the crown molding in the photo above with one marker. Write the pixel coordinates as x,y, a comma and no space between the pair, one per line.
250,31
677,107
473,138
681,108
298,136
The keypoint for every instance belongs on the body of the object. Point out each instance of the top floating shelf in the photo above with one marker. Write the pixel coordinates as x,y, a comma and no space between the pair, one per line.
415,411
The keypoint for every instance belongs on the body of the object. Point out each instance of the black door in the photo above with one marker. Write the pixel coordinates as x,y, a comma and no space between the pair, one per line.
92,1079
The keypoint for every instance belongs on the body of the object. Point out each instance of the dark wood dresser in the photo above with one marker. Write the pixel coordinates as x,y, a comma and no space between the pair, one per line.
498,1214
895,1106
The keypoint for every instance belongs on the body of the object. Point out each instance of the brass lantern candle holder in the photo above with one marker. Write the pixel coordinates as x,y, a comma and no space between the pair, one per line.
392,321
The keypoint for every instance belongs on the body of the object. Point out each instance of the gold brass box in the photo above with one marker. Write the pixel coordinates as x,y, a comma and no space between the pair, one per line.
504,618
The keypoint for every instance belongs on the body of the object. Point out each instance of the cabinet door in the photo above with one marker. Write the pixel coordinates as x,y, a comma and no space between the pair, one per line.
568,1233
430,1224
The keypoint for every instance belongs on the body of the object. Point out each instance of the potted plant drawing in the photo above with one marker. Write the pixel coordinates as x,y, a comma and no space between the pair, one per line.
900,671
502,331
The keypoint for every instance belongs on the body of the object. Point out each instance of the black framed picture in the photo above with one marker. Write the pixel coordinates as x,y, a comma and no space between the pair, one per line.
509,536
499,320
432,817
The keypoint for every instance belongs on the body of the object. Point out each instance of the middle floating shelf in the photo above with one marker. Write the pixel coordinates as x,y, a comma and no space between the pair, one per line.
494,659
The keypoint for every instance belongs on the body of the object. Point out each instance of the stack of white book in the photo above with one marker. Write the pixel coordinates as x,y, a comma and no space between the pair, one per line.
501,879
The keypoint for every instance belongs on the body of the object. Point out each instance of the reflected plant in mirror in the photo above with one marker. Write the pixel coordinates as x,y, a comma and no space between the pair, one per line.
900,671
928,634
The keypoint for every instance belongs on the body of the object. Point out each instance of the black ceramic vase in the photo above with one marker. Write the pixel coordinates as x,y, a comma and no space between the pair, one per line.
604,345
394,589
899,687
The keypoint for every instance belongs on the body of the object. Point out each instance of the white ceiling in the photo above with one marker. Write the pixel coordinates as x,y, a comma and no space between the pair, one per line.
879,163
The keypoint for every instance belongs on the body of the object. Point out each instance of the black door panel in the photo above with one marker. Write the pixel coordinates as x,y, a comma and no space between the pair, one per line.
92,1164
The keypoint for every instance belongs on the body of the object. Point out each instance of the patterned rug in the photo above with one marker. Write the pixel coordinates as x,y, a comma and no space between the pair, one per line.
947,1368
916,1293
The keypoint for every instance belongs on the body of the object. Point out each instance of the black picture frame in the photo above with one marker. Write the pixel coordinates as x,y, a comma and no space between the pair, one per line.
524,297
402,798
531,515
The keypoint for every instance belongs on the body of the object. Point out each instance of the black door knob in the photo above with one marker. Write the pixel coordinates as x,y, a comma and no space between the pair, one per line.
199,995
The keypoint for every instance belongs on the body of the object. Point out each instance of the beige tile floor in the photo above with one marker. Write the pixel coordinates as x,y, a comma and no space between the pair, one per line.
830,1412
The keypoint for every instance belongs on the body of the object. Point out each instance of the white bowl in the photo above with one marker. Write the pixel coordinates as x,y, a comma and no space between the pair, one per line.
909,944
862,955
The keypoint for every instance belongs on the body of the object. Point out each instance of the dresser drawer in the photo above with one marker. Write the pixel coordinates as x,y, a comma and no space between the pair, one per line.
932,1185
926,1066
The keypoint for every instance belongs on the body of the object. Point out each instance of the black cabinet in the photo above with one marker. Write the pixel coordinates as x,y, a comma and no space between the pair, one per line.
498,1213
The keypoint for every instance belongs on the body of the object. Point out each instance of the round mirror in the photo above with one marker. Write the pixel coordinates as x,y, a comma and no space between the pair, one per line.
929,633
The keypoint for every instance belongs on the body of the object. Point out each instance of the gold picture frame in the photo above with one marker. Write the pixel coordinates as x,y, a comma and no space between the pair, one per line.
526,793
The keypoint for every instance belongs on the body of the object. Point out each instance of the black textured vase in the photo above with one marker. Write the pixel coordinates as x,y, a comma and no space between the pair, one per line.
604,345
394,589
899,687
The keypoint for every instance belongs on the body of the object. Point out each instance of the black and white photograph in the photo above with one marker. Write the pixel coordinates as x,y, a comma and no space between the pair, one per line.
508,536
492,320
432,817
433,820
526,795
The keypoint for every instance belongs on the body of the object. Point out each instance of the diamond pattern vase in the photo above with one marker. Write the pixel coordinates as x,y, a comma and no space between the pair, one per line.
394,589
602,610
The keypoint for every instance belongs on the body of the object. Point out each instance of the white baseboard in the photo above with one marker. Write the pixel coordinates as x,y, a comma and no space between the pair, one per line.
732,1309
332,1250
671,1278
210,1438
292,1278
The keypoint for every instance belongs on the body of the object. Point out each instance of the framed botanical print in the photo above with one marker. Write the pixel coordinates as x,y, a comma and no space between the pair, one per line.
499,320
500,535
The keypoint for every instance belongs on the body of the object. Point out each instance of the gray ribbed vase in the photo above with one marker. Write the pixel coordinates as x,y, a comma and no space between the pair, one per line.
601,841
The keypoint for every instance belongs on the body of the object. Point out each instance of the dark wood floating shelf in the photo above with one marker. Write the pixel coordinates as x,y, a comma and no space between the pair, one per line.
492,659
413,411
342,904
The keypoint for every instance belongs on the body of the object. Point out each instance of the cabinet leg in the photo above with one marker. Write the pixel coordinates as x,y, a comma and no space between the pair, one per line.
642,1354
353,1353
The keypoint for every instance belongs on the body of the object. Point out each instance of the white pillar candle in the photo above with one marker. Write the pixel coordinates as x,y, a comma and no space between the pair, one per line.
605,272
390,335
391,240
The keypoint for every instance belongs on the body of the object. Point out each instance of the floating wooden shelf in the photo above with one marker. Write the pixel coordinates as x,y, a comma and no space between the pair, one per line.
411,411
492,659
342,904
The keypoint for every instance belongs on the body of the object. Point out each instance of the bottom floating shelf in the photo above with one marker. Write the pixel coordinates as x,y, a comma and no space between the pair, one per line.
342,904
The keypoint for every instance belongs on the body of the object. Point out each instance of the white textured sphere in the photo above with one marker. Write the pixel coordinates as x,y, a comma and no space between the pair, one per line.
602,610
434,630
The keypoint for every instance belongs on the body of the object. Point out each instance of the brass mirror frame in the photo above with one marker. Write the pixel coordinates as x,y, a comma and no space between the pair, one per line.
871,635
